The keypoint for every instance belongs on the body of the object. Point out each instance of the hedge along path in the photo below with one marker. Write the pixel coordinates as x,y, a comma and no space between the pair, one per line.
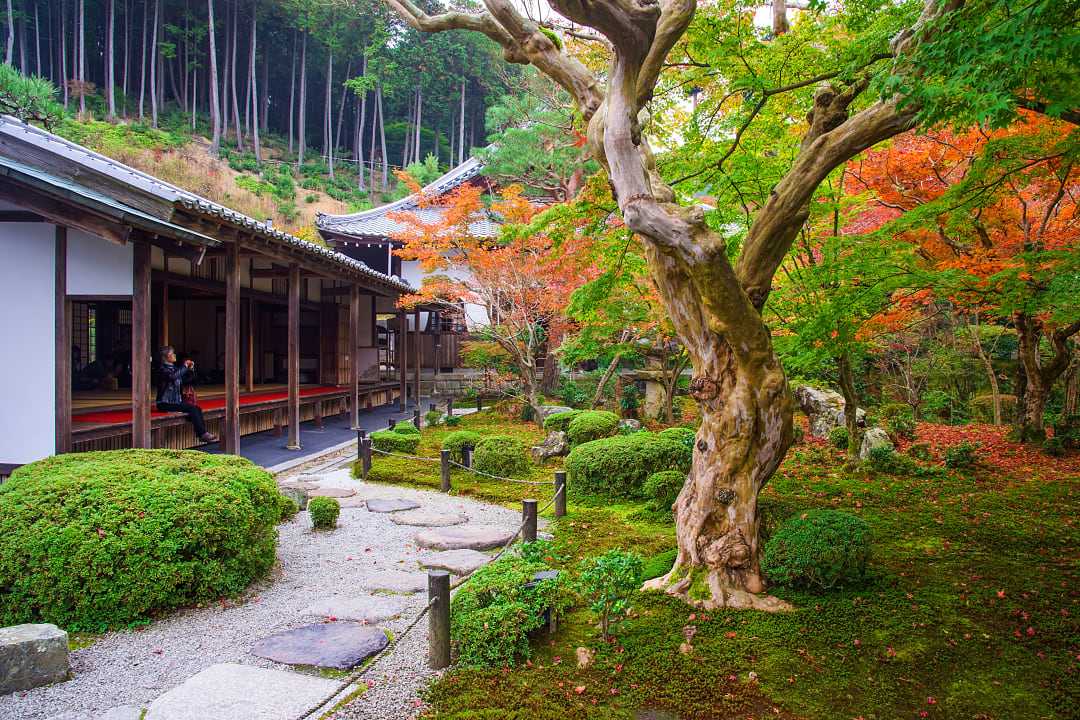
459,465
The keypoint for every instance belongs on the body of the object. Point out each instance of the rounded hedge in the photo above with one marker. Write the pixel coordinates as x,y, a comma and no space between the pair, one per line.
560,420
838,437
683,435
393,441
663,488
500,455
406,427
619,466
457,441
100,540
324,512
592,425
820,549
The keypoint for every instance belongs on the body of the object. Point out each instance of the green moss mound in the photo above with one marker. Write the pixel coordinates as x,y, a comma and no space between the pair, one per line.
457,441
819,549
501,455
663,488
619,466
659,565
101,540
393,441
560,420
406,427
592,425
683,435
324,512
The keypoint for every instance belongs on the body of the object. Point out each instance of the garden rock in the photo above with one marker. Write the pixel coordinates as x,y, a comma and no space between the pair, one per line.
458,562
629,425
395,581
239,692
428,518
468,537
338,645
824,408
390,505
874,438
546,410
299,495
364,608
334,492
32,655
556,444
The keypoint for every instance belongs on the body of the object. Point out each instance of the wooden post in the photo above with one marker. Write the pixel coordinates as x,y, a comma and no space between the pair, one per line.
444,467
365,460
466,456
63,346
416,418
390,422
418,356
528,517
250,370
360,435
439,619
438,343
140,346
230,436
449,406
403,362
354,352
294,357
165,308
560,497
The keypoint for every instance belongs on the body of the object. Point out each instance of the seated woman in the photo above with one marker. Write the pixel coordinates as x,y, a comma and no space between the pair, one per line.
171,379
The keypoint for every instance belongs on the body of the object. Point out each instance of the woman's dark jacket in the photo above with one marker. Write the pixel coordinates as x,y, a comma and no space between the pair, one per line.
170,379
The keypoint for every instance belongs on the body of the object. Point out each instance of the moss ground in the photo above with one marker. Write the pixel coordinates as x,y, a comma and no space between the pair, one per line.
969,611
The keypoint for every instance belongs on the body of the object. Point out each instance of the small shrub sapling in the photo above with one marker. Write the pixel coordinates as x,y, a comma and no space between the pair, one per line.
608,581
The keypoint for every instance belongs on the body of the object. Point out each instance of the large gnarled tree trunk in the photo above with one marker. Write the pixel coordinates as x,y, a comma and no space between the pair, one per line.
715,307
1040,375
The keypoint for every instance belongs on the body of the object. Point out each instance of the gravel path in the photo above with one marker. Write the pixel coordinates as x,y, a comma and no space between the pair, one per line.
133,668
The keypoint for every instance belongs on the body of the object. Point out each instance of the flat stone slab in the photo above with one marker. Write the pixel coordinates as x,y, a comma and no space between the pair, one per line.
427,518
464,537
459,562
390,505
336,478
354,501
338,645
394,581
365,608
240,692
32,655
334,492
297,485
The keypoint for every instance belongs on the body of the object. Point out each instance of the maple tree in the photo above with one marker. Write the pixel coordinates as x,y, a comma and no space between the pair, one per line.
996,210
518,277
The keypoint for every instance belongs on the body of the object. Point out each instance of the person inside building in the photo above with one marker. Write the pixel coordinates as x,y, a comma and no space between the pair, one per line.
170,398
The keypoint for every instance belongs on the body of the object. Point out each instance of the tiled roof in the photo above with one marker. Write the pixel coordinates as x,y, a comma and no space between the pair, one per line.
80,155
377,223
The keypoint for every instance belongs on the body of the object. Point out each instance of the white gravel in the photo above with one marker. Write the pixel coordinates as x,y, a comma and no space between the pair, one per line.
133,668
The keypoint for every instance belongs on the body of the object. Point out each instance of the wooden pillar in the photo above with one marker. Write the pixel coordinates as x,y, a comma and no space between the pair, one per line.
354,354
230,437
403,355
140,346
63,346
294,357
418,356
250,369
437,362
165,310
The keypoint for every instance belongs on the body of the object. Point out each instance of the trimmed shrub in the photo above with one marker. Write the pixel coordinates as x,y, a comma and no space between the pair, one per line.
492,614
898,419
818,549
683,435
433,417
324,512
560,420
457,441
921,451
393,441
289,508
838,437
961,456
663,488
452,420
592,425
382,474
501,455
659,565
405,427
100,540
619,466
607,582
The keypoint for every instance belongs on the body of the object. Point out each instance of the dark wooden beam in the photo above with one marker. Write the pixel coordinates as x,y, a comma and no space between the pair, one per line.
403,358
354,354
230,440
140,347
165,313
20,216
419,355
250,337
218,288
63,346
63,213
294,357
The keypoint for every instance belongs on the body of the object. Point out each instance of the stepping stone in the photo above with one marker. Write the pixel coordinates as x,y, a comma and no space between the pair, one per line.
333,492
240,692
354,501
464,537
296,485
427,518
390,505
338,645
395,581
459,562
337,478
365,608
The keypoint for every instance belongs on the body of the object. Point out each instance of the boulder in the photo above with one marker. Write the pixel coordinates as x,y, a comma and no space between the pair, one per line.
300,495
556,444
629,425
546,410
875,437
824,408
32,655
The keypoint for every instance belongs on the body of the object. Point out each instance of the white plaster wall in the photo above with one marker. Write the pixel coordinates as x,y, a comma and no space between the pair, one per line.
27,352
476,316
98,267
